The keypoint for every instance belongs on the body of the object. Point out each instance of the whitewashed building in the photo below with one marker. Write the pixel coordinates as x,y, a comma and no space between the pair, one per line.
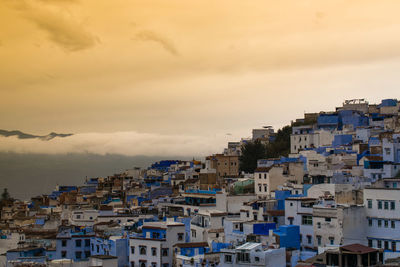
155,247
253,254
299,211
382,218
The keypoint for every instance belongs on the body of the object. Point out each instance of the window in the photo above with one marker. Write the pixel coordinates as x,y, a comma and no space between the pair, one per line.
265,176
393,246
370,244
386,223
132,250
386,245
78,243
87,254
98,248
393,224
331,240
291,204
257,259
370,222
78,216
386,205
265,188
243,257
369,201
153,264
87,242
290,221
328,219
92,247
306,220
228,258
193,233
319,240
379,204
308,239
63,254
379,244
301,238
392,205
132,264
153,251
318,225
64,243
142,250
247,214
259,188
379,223
165,252
259,175
156,235
180,236
78,255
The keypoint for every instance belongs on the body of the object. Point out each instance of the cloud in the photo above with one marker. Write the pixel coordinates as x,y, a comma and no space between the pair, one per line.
65,33
58,1
155,37
60,27
123,143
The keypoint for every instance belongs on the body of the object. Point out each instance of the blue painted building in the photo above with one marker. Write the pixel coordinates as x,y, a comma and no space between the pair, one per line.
288,236
116,246
353,118
328,121
71,244
342,140
32,254
191,249
163,165
200,197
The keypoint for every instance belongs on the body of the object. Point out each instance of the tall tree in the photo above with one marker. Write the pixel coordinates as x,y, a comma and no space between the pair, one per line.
281,145
251,152
5,195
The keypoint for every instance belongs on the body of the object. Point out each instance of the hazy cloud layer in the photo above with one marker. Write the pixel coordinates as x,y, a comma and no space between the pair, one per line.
123,143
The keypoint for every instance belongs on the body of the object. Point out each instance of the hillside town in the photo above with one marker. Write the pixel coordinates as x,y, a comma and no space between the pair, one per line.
325,194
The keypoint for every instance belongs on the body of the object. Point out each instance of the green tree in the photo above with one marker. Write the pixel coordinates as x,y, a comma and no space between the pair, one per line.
251,152
281,145
5,195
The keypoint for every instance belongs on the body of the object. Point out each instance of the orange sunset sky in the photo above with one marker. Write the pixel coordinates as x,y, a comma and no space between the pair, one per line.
190,67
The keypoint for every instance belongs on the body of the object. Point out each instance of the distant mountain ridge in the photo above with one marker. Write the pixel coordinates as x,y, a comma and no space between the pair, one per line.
22,135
